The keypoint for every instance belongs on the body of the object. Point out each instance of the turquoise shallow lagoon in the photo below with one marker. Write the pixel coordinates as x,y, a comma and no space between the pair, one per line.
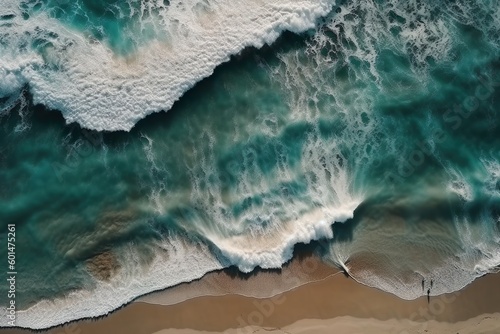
373,135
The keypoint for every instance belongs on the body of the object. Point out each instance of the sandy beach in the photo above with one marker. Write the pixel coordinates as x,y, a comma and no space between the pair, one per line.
333,302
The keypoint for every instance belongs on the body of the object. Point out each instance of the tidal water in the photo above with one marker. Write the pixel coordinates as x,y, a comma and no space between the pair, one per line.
367,128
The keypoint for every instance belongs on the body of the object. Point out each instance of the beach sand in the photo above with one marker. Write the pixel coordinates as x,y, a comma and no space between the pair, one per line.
332,303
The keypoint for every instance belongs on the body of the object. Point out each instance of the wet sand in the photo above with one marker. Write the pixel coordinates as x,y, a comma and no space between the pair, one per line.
332,302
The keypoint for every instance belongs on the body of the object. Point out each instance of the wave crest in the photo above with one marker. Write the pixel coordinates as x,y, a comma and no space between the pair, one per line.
91,85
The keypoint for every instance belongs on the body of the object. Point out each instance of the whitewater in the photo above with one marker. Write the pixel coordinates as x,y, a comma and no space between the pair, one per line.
91,85
367,129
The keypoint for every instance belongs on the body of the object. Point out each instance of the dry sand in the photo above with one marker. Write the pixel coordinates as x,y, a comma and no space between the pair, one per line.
332,304
482,324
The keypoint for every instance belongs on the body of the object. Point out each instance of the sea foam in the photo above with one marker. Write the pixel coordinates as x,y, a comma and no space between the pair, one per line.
273,249
176,261
91,85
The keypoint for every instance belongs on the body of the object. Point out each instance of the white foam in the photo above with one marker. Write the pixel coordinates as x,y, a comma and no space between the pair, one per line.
391,254
176,261
90,85
397,260
363,28
273,249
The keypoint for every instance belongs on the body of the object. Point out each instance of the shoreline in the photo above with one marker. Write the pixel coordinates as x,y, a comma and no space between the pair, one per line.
330,299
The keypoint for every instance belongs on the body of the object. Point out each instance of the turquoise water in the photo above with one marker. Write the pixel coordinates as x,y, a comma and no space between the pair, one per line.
390,109
123,25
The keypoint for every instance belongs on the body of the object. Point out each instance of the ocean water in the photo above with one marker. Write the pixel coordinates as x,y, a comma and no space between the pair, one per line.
367,128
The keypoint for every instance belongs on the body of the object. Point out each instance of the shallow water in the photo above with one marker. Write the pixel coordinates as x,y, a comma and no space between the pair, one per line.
376,133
